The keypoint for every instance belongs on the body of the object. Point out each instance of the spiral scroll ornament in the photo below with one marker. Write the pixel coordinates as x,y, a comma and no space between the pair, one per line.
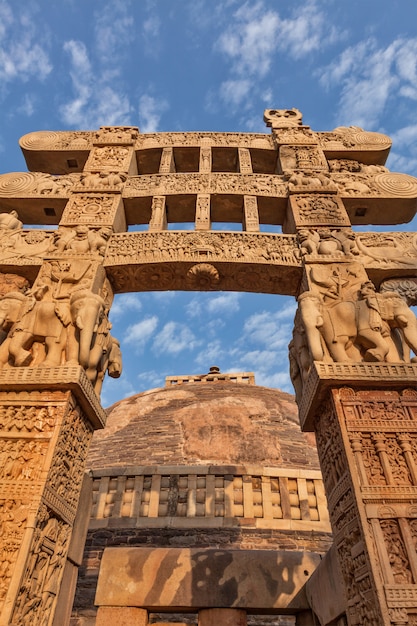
14,183
39,140
395,184
368,138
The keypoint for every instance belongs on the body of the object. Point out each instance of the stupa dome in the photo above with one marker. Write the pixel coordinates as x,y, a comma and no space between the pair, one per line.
195,421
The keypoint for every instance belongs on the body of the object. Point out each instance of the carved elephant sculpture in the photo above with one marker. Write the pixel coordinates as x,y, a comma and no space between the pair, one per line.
87,310
353,330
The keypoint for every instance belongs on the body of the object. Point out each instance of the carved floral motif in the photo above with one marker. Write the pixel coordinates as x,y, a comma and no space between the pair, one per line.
203,275
90,209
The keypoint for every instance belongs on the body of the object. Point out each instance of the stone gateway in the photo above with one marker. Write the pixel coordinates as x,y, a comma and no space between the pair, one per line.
352,362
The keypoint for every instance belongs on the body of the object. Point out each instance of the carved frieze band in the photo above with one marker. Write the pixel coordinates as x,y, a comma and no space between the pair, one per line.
202,183
128,248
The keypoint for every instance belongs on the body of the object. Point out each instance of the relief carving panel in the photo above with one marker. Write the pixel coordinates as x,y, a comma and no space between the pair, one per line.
245,140
202,183
165,246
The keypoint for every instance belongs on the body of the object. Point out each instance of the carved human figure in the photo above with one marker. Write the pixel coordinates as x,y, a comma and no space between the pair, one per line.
43,320
362,327
105,355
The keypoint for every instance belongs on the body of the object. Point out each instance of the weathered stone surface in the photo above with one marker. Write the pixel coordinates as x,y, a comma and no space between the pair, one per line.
121,616
226,617
219,423
202,578
325,591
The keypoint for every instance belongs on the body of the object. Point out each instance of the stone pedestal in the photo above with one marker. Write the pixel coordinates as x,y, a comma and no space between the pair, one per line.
47,418
366,431
225,617
121,616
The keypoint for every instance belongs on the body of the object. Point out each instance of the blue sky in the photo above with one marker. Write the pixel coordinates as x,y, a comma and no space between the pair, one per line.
185,65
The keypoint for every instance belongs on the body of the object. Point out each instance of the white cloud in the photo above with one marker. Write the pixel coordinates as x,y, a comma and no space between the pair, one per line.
175,338
95,102
225,303
194,308
260,360
369,76
137,335
150,110
267,329
279,380
257,32
21,55
150,379
151,27
213,353
251,39
307,31
234,92
125,303
114,30
28,105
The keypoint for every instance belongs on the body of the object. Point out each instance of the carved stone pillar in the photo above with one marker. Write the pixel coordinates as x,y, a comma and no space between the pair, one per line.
250,214
54,338
245,161
372,491
202,212
158,219
205,159
46,424
167,164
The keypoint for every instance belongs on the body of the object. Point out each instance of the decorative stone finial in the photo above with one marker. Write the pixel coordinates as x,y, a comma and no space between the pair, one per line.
283,118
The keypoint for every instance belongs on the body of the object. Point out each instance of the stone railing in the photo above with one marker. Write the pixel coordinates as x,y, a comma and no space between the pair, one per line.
181,496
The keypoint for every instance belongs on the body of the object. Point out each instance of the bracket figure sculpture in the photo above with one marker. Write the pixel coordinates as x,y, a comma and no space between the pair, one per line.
39,330
368,326
41,320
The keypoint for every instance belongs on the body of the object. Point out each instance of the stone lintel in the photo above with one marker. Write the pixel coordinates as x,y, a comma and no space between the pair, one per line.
325,590
64,378
184,579
325,376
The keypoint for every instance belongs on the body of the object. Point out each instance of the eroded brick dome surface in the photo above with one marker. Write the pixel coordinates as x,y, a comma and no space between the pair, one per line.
204,423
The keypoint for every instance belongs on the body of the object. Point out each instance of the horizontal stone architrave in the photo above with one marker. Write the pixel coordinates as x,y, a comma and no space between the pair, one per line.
83,141
184,579
41,198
